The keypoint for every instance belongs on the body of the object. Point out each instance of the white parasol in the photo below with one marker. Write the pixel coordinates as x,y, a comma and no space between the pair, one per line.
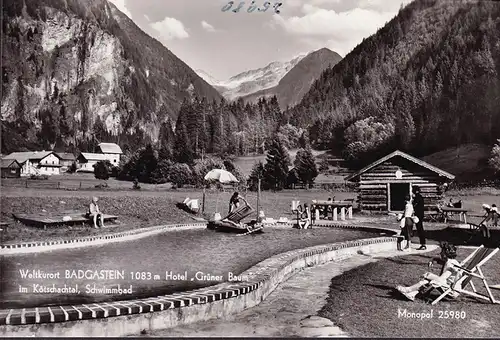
221,176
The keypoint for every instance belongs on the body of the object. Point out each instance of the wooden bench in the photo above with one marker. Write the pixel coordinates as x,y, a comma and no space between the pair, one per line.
59,218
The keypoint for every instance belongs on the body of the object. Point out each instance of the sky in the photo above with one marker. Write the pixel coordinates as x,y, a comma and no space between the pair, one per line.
224,43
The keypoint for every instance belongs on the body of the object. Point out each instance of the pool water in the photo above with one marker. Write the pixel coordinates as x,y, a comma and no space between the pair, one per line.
193,258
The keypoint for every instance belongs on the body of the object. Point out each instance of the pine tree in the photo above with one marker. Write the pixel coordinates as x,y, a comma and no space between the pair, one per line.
305,166
277,162
256,174
147,164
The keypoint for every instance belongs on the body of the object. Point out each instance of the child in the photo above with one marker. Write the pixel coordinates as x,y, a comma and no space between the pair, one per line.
449,274
94,212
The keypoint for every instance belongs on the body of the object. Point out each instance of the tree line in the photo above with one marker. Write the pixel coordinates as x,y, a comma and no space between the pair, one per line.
151,165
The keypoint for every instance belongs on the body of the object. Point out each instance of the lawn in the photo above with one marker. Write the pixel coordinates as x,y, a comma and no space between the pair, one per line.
135,208
156,204
364,304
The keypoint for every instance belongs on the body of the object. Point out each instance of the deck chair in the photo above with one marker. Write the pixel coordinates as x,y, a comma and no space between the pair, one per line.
471,268
239,214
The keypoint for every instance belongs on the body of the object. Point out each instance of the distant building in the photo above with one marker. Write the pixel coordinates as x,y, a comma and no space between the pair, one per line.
67,159
36,162
112,152
384,184
10,168
86,161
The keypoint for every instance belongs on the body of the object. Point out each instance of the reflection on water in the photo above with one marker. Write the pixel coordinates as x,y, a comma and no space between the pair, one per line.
151,266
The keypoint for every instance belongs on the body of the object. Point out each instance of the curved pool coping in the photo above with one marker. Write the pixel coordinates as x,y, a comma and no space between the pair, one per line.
39,246
120,318
87,241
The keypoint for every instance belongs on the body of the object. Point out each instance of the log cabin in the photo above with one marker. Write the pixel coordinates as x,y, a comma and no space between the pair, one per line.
384,184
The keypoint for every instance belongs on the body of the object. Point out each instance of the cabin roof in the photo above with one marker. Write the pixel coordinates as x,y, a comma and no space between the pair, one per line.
22,157
66,156
403,155
6,163
94,156
110,148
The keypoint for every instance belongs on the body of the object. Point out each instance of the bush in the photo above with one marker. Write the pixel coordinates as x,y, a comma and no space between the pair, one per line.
39,177
136,185
101,170
72,168
180,174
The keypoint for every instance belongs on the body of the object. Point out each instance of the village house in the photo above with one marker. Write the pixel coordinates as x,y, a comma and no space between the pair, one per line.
67,159
384,184
36,162
10,168
86,161
112,152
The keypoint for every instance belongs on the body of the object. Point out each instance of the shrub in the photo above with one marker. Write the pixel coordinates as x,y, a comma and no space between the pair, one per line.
180,174
101,170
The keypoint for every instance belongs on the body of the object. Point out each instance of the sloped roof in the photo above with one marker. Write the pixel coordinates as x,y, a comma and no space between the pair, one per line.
22,157
94,156
66,156
110,148
406,156
6,163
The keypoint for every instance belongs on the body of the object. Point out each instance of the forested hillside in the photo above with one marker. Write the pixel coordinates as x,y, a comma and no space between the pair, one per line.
75,72
426,81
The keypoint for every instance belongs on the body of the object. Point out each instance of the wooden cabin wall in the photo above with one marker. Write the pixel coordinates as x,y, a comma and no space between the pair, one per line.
373,184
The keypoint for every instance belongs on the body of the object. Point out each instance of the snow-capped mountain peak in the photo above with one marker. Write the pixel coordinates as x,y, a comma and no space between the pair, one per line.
254,80
207,77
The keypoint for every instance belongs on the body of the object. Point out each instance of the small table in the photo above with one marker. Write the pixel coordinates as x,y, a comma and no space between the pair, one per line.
448,212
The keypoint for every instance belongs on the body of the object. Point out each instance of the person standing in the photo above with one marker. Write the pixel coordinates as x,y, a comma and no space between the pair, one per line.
234,202
407,222
418,204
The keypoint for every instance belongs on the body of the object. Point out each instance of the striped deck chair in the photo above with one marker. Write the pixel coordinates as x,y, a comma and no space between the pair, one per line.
239,214
471,268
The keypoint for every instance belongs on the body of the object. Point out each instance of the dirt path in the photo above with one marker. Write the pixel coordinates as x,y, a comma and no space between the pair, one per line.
289,311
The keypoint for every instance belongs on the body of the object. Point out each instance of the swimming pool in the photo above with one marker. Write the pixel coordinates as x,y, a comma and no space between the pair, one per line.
165,263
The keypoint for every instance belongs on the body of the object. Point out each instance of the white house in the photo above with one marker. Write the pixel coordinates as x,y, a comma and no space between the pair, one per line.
37,162
86,161
112,152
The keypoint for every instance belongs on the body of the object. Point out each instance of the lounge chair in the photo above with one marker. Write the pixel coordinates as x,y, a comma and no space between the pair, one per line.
189,205
236,216
471,268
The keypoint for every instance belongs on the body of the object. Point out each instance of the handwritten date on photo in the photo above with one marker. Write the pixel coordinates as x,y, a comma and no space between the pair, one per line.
252,7
431,314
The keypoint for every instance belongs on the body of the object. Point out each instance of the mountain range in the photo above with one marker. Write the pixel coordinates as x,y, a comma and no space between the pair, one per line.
288,80
251,81
73,68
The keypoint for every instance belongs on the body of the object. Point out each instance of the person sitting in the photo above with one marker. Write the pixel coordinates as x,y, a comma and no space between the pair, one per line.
305,218
450,273
234,202
327,209
95,213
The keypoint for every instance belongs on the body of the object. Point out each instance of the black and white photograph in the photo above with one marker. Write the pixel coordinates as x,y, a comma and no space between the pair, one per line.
259,169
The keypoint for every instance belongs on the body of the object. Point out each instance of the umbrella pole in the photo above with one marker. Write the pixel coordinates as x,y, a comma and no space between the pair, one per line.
258,199
203,202
217,202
